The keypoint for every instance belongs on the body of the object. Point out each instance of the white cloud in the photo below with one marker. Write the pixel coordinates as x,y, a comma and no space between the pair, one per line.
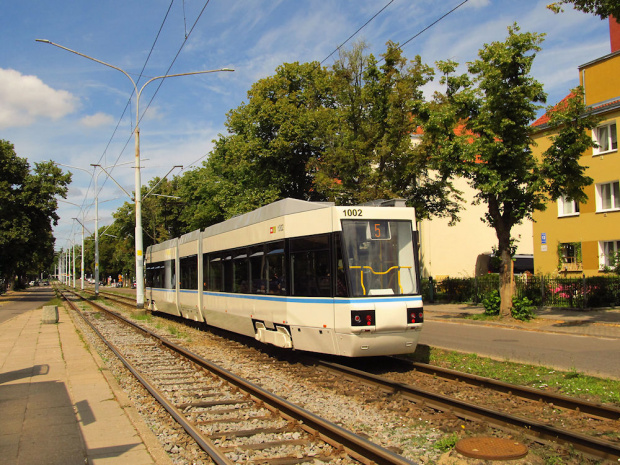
27,98
97,120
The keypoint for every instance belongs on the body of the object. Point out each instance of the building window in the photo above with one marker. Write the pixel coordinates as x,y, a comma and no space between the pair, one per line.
605,138
569,256
608,196
567,207
608,253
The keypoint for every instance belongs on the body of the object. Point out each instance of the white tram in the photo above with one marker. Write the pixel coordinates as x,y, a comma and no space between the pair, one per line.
302,275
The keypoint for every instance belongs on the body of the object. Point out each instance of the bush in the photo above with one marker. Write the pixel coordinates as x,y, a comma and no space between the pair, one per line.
522,309
491,303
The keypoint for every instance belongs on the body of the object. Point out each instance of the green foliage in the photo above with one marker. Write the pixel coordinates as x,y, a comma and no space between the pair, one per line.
28,207
446,443
485,137
571,383
614,261
491,303
522,308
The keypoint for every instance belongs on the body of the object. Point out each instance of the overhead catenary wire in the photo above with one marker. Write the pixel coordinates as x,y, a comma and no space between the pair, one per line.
123,114
430,25
139,118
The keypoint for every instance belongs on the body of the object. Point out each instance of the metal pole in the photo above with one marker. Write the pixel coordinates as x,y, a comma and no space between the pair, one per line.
138,194
73,247
82,258
138,231
96,239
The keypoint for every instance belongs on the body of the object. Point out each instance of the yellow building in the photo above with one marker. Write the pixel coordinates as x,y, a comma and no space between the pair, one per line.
573,239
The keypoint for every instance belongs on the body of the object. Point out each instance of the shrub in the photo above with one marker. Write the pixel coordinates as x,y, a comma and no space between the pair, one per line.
491,303
522,309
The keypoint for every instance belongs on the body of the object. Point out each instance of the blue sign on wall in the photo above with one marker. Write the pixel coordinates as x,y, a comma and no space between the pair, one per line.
543,238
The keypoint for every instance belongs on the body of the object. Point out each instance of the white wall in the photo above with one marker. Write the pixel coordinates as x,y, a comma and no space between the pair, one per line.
453,250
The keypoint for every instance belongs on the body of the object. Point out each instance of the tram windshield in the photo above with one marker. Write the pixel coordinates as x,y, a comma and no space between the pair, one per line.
379,257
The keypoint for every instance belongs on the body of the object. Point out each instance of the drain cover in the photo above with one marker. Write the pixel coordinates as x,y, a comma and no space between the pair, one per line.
490,448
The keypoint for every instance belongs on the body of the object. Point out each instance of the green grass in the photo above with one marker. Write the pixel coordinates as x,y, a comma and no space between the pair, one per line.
147,317
570,383
447,442
176,332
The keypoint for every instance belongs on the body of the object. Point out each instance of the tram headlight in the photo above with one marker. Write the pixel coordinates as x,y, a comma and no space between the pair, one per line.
415,315
362,317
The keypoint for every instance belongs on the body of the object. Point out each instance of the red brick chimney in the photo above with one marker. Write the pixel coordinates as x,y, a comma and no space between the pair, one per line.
614,34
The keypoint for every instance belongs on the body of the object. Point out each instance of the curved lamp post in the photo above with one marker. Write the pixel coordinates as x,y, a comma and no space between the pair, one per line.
138,187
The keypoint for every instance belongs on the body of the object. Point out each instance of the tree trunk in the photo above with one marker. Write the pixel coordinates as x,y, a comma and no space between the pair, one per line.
506,284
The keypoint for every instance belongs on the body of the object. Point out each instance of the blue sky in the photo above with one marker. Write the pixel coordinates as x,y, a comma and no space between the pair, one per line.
55,105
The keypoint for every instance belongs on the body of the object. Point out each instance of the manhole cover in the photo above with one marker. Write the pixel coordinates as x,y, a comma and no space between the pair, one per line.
489,448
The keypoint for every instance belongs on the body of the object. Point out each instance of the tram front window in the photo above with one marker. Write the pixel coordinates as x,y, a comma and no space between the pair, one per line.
379,257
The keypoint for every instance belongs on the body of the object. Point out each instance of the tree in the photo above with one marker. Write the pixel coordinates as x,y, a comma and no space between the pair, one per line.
369,153
271,139
601,8
490,141
27,212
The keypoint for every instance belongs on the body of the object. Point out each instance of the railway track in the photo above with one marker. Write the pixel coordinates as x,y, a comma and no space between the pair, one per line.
231,419
540,431
535,430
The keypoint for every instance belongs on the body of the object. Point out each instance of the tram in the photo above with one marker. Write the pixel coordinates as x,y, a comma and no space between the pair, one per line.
307,276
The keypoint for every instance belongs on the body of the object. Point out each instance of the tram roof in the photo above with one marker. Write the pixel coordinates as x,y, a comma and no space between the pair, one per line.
273,210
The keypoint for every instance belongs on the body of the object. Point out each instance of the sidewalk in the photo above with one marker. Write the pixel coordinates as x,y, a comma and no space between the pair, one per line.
594,323
57,403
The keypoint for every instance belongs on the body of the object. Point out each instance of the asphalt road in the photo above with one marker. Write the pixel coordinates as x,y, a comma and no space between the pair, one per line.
17,303
597,356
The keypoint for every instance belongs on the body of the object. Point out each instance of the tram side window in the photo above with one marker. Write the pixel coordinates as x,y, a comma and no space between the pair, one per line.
342,290
169,275
274,271
257,265
227,266
241,272
155,275
189,272
310,266
215,272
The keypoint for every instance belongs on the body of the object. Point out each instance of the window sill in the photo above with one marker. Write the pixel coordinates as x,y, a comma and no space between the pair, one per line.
568,215
597,154
571,267
612,210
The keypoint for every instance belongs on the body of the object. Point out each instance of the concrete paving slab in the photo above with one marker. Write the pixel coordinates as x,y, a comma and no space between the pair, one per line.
57,406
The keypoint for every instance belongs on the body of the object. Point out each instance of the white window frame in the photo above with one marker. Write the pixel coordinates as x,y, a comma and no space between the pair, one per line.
606,138
613,189
605,250
567,207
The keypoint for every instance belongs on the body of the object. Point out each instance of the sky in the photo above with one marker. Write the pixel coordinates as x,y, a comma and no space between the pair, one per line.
56,105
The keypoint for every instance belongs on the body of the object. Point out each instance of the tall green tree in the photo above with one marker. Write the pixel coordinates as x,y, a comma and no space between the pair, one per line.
271,139
28,207
370,154
487,115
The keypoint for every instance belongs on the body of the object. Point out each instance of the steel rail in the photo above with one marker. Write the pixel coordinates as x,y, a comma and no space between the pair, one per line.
206,445
533,429
558,400
355,446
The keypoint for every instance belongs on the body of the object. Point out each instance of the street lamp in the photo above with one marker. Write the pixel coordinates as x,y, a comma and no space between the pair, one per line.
95,180
138,187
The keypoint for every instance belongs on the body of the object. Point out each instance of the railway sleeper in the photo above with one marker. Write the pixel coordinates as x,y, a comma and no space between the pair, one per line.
214,403
233,420
266,446
247,433
290,460
224,411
